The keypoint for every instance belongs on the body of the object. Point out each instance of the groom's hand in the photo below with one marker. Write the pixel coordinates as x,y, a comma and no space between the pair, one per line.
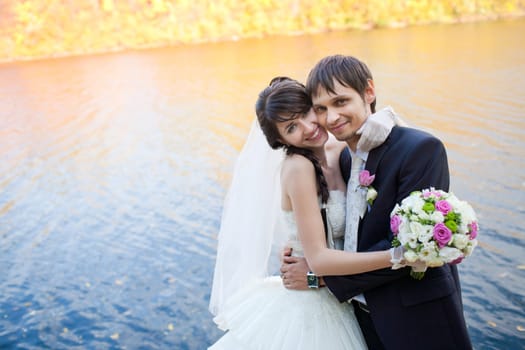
293,271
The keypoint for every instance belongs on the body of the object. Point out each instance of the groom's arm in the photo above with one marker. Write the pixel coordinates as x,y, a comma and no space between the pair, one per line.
425,165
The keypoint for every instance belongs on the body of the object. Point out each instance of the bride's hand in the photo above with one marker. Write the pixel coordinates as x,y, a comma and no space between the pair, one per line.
398,261
293,272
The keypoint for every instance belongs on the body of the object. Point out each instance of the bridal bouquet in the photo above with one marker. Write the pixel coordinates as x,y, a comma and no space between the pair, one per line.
434,227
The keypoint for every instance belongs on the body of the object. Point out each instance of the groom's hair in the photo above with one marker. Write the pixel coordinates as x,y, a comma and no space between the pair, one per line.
347,70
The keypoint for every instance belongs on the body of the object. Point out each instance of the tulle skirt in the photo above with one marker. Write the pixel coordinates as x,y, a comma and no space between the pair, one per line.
267,316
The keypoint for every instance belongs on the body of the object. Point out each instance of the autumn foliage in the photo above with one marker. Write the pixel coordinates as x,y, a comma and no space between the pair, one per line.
43,28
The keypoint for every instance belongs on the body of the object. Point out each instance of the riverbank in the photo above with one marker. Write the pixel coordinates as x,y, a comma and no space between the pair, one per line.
40,29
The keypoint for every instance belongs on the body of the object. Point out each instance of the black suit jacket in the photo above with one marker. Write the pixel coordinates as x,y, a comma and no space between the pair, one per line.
407,313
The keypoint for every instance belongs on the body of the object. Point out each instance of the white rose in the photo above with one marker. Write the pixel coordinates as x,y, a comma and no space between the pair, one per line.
413,203
412,241
404,228
427,234
410,256
454,202
449,254
407,202
371,195
407,238
429,252
467,213
437,217
423,215
470,247
417,212
460,241
403,207
464,210
463,228
413,217
417,228
467,217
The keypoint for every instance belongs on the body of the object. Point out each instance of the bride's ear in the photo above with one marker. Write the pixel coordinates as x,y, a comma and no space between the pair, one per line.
282,142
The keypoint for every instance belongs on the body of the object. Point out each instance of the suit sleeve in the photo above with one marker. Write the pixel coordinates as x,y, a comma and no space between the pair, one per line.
424,165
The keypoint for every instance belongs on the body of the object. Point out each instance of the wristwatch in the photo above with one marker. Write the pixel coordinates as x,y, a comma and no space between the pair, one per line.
312,280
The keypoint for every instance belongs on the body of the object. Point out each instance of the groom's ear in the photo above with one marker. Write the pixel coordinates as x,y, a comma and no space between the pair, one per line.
370,92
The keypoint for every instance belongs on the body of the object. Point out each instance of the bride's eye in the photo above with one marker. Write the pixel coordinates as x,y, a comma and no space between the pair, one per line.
291,128
319,109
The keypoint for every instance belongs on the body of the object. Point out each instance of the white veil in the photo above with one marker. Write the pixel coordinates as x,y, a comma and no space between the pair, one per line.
249,239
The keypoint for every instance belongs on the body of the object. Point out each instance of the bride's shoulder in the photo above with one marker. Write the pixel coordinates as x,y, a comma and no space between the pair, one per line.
296,162
295,165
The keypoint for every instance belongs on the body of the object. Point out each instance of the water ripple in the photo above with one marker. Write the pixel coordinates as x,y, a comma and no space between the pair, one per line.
113,169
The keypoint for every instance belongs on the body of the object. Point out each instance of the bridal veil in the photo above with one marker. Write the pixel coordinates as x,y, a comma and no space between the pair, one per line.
249,239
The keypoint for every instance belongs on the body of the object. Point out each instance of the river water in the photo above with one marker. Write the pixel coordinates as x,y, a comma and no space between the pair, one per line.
113,169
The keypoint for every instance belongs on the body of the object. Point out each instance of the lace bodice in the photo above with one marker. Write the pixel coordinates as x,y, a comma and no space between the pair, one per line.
335,217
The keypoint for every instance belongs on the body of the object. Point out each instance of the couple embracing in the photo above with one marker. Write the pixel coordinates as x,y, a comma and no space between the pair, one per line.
323,206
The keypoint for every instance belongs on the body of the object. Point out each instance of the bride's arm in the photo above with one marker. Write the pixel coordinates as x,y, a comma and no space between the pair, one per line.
299,184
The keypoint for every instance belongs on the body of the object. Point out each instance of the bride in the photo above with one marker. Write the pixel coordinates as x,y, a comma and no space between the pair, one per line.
294,198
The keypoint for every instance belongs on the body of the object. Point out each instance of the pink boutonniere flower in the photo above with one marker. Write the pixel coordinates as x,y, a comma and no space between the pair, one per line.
365,180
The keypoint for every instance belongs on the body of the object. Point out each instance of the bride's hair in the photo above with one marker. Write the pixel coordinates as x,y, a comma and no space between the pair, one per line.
286,99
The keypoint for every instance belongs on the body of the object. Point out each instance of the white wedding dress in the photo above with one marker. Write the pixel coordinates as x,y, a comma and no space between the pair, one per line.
267,316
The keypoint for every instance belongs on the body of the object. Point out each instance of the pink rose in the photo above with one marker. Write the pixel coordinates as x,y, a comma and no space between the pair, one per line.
430,193
442,234
443,206
473,229
395,221
365,179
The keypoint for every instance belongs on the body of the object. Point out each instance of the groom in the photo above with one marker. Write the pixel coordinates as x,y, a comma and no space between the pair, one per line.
394,310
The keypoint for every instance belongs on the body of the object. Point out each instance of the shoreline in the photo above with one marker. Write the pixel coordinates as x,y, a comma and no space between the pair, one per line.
234,38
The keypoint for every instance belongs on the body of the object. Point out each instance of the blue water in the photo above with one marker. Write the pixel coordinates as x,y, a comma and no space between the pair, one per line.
113,169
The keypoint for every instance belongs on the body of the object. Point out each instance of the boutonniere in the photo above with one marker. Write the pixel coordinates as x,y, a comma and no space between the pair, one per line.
365,180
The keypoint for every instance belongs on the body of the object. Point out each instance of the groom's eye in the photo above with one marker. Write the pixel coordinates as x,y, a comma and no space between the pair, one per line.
341,102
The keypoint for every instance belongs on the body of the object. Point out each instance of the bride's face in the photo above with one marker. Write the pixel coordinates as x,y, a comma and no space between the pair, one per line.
303,132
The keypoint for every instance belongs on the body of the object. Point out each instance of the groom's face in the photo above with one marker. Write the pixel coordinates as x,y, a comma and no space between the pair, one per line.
343,112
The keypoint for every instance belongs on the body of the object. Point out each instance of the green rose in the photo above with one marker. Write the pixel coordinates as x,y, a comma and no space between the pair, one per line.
451,216
451,224
428,207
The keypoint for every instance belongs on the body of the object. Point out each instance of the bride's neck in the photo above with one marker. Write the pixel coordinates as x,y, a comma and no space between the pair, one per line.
321,156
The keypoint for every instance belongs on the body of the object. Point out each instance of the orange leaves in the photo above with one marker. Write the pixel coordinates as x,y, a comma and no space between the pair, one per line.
40,28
